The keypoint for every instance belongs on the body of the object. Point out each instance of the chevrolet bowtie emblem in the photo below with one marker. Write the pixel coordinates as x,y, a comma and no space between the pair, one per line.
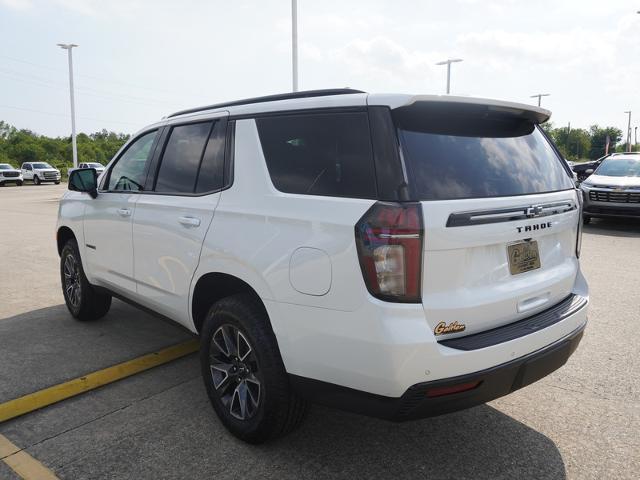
534,211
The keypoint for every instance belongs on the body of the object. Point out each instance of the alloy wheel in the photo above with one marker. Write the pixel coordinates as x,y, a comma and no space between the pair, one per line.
72,286
235,372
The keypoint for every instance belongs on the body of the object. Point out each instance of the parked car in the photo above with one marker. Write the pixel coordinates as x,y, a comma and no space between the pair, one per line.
39,172
399,256
613,190
583,170
8,174
98,166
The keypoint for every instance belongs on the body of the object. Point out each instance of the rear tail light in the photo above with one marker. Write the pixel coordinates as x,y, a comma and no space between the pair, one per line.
579,235
389,239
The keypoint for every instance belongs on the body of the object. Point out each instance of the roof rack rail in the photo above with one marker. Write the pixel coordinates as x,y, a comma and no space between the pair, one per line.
272,98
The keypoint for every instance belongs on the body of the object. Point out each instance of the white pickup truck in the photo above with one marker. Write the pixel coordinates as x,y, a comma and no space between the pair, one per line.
98,166
38,172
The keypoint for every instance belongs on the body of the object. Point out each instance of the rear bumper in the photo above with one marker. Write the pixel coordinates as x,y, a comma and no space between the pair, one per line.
418,401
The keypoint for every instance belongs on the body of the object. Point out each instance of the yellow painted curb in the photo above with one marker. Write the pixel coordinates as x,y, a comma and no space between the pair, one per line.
62,391
22,463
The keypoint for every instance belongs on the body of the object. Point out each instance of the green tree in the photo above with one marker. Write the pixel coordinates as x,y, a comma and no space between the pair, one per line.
574,144
599,140
17,146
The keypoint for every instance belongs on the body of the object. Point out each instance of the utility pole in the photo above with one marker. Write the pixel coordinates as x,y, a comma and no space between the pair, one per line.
539,96
294,43
636,136
68,47
448,63
629,132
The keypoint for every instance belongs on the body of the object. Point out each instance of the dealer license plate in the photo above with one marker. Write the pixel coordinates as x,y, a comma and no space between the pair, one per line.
523,257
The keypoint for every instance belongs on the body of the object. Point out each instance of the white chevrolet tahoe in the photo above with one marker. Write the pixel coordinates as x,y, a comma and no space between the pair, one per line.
398,256
38,172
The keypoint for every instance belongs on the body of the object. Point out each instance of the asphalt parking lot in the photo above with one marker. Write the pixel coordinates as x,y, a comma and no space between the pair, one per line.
581,422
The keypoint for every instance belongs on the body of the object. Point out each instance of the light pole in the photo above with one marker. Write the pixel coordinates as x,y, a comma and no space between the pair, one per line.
629,132
448,63
68,47
294,43
539,96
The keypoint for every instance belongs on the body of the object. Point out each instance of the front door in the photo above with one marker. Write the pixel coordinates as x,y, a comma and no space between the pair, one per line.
108,217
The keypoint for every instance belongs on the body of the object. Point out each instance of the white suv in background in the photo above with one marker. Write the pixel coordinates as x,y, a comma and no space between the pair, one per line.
398,256
8,174
39,172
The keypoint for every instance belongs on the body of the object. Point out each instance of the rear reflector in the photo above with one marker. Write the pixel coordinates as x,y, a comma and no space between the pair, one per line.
449,390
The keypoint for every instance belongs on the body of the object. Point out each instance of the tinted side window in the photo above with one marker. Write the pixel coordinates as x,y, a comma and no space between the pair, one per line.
319,154
181,158
211,175
128,174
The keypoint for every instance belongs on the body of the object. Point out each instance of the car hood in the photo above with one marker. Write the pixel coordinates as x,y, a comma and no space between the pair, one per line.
46,170
10,170
606,181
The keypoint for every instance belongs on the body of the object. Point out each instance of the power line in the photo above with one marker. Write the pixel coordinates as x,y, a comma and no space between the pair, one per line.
39,81
65,115
82,87
93,77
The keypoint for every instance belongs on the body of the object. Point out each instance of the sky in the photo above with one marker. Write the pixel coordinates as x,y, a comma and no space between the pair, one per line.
139,60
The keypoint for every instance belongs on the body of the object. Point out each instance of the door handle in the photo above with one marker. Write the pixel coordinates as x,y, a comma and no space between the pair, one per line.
124,212
189,221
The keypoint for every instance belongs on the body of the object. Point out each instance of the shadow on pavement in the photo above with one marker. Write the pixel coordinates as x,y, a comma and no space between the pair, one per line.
477,443
614,227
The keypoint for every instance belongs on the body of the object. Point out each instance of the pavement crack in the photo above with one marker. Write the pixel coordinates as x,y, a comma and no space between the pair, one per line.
111,412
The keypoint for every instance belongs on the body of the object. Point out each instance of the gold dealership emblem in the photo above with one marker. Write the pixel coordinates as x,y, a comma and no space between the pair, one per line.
454,327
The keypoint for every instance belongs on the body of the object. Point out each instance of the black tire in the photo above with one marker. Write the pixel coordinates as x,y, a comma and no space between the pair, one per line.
19,184
82,299
278,409
36,180
586,219
57,183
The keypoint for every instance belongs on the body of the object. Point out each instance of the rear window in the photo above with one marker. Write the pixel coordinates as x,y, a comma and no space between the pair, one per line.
319,154
453,155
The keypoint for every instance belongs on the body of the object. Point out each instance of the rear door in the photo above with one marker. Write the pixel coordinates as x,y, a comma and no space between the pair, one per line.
172,219
500,215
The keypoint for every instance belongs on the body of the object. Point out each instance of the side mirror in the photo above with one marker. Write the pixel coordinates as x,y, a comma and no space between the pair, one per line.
84,180
589,171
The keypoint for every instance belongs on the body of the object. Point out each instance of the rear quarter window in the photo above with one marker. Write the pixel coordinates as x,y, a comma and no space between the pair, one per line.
326,154
477,156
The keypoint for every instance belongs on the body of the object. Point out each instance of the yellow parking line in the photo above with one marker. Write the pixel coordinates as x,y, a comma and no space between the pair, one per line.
22,463
62,391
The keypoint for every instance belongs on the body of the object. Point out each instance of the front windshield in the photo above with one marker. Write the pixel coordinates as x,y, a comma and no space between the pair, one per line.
620,167
5,166
41,165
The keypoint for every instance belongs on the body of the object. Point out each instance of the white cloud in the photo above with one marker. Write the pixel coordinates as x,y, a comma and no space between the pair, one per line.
17,4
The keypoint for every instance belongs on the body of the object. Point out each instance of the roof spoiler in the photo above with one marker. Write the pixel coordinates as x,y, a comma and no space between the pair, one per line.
534,114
